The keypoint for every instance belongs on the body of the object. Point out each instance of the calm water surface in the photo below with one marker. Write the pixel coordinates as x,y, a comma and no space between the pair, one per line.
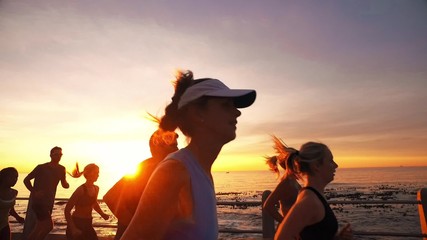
349,184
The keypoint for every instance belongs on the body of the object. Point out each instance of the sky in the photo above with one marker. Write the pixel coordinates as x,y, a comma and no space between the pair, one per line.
83,75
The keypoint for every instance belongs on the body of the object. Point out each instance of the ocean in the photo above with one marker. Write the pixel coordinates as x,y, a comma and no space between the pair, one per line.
394,183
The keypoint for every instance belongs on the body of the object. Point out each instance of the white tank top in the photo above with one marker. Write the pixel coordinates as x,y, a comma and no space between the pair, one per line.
205,224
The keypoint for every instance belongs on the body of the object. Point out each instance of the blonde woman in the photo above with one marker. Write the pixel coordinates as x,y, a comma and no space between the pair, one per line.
286,192
311,217
83,200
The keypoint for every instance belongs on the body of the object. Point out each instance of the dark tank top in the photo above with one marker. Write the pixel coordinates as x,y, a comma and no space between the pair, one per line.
325,229
86,199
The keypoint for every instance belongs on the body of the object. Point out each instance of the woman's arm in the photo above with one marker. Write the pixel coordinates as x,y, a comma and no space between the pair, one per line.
97,208
158,205
306,211
12,211
270,204
14,214
67,211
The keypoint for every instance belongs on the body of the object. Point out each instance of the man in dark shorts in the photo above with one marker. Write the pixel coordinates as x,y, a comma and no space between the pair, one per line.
46,178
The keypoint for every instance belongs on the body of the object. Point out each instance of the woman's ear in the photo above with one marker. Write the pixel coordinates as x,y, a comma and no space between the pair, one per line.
315,167
196,115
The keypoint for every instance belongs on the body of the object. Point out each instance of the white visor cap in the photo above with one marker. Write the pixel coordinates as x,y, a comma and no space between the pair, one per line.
215,88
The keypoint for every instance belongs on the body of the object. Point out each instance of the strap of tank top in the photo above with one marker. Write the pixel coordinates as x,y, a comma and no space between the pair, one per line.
316,192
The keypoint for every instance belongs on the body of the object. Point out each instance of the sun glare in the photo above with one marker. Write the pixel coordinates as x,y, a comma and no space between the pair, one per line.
124,165
115,159
130,172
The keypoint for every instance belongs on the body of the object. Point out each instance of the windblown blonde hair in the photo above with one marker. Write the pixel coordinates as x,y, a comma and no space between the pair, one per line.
89,168
285,158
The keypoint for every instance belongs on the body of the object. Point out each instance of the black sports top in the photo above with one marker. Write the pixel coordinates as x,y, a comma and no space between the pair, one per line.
86,199
325,229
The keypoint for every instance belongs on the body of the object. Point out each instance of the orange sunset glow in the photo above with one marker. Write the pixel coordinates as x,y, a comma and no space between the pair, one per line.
83,76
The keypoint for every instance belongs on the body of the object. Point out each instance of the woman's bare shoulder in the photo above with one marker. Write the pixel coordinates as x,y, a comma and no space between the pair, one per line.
309,200
171,164
79,190
171,172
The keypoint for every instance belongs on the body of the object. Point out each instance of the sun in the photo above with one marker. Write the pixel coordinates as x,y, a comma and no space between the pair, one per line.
129,171
123,162
114,158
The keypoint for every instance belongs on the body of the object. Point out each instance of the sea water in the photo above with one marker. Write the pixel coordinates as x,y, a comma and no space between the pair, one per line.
397,183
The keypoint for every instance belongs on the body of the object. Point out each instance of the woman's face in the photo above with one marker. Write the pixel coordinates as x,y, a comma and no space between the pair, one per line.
92,175
219,119
328,167
12,179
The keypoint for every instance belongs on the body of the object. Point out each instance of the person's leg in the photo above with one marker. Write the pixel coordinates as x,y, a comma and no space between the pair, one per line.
5,233
41,230
91,233
45,227
120,230
68,232
30,221
44,223
34,233
85,225
79,226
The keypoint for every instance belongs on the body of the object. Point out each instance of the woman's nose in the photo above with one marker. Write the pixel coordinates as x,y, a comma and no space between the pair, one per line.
238,112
